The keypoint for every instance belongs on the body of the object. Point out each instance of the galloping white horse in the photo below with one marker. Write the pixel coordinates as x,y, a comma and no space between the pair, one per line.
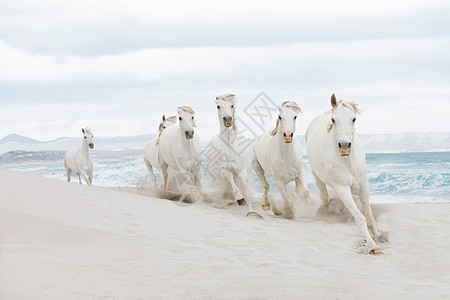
337,159
229,159
180,149
151,149
280,155
78,160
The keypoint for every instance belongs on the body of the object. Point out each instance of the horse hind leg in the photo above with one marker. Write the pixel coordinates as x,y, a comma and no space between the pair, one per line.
150,169
79,178
69,172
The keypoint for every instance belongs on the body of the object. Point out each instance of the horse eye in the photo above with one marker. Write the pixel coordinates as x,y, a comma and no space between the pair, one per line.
295,117
164,127
354,119
332,120
192,118
232,106
85,137
279,117
179,118
218,106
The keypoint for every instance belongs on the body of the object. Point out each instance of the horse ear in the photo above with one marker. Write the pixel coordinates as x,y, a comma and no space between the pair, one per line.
333,100
164,118
82,130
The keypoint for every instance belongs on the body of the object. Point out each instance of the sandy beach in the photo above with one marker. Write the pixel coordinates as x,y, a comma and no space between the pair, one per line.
66,241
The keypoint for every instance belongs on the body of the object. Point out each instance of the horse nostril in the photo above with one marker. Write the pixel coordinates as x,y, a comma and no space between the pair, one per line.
349,145
284,133
339,144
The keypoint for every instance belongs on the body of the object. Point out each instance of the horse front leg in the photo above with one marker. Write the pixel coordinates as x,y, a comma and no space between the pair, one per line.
242,179
265,185
322,189
345,195
288,207
364,196
237,196
86,178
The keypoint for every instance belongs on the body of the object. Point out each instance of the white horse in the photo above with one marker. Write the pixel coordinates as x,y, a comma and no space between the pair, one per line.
337,159
180,149
280,155
229,158
78,160
151,149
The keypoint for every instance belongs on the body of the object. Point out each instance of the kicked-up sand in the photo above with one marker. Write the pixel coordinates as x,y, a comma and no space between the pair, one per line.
66,241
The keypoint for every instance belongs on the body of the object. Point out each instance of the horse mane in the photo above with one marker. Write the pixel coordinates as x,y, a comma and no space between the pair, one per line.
88,130
351,105
230,98
292,105
289,104
186,109
171,119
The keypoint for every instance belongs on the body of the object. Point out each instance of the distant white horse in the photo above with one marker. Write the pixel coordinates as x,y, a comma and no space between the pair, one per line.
151,149
78,160
337,159
280,155
229,158
180,149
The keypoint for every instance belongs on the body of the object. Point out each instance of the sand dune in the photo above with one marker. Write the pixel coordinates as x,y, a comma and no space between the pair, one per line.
66,241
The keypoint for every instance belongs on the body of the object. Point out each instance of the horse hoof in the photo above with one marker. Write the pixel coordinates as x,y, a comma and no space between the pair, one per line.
375,251
265,206
241,202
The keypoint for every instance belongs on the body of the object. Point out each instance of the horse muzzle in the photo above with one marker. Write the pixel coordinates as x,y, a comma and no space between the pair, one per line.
344,148
91,146
227,121
288,137
189,134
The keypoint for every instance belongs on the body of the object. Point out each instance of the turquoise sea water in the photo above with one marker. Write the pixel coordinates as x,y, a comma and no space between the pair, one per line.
399,177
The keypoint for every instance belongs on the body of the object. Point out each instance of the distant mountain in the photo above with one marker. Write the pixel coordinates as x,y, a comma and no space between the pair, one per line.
18,139
374,143
17,142
19,156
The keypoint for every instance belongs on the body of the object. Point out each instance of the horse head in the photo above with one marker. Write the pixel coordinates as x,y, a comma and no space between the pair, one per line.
342,124
186,121
165,122
226,110
88,136
287,115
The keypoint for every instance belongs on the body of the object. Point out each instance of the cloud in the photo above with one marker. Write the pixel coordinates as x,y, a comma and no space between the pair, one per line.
108,27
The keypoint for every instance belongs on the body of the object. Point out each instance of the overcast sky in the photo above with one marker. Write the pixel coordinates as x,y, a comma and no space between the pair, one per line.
117,66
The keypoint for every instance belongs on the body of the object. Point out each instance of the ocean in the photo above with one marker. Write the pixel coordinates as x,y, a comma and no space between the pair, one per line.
393,177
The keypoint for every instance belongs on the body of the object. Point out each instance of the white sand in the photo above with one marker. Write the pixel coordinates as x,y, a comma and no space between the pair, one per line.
66,241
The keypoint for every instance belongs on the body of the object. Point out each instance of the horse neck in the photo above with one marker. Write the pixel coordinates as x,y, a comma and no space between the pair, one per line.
285,149
84,149
227,133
